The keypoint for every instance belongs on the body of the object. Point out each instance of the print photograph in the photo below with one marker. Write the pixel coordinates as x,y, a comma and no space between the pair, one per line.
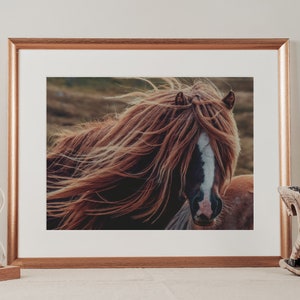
147,152
150,153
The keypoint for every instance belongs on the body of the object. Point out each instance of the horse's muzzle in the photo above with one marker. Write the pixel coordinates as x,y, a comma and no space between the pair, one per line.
204,212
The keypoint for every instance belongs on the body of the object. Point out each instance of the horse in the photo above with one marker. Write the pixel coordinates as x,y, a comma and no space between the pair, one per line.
178,143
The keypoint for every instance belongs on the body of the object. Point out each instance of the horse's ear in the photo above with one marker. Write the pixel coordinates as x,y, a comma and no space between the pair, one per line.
229,100
180,99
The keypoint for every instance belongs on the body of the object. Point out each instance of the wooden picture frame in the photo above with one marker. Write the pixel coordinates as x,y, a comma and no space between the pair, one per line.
22,51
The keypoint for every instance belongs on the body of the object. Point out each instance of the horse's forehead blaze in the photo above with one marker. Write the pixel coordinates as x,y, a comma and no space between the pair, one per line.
208,158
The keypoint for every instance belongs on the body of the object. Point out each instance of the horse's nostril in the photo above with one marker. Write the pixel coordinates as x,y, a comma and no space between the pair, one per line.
202,220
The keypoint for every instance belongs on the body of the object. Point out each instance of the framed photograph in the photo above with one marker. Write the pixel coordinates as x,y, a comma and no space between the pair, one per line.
148,152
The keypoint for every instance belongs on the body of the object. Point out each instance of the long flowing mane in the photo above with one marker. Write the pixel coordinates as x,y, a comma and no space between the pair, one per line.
137,163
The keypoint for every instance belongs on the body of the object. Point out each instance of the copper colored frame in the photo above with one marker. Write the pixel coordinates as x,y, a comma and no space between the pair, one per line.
280,45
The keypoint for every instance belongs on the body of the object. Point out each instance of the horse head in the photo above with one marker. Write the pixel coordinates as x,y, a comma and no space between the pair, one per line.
203,178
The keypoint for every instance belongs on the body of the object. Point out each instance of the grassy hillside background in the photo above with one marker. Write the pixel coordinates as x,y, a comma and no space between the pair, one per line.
71,101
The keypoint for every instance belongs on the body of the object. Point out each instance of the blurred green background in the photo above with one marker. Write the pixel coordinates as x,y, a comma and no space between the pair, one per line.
73,100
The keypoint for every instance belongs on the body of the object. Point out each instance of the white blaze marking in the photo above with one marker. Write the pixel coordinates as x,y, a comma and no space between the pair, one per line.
208,159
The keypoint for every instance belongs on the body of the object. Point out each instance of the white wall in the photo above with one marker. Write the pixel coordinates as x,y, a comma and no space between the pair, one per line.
150,19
